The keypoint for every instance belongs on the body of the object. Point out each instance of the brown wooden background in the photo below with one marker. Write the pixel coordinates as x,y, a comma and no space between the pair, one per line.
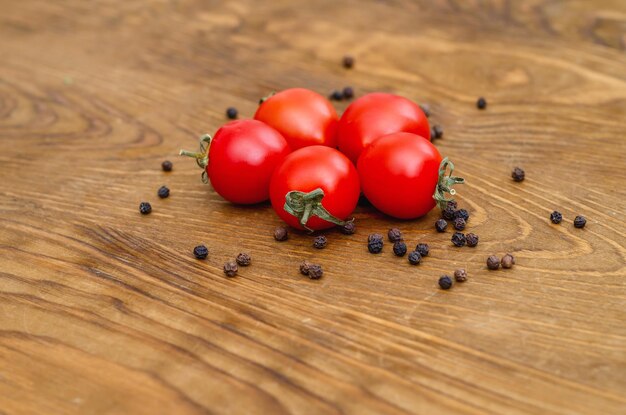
105,311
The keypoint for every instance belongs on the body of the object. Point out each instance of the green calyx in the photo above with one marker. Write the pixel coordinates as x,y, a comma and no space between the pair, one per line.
305,205
445,183
202,156
268,96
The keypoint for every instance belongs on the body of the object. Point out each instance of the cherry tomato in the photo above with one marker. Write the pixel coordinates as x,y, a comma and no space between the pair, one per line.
241,159
403,175
303,117
375,115
314,188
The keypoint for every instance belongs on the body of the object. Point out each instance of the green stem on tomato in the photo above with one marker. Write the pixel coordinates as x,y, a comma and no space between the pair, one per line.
445,183
202,156
305,205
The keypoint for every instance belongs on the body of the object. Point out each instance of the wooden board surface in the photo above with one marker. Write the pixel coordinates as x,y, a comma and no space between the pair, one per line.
105,311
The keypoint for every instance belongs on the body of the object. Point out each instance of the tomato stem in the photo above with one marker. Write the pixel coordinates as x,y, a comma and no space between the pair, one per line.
445,183
305,205
268,96
202,156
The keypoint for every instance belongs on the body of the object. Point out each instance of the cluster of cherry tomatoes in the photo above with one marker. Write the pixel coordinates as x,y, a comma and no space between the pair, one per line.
313,165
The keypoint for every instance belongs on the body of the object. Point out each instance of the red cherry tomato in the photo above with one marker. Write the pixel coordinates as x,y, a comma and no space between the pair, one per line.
314,188
403,175
375,115
303,117
241,159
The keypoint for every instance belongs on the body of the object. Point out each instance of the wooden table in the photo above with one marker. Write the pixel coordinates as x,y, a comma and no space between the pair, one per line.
105,311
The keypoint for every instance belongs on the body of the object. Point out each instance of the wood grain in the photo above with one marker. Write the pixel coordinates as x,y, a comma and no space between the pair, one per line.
105,311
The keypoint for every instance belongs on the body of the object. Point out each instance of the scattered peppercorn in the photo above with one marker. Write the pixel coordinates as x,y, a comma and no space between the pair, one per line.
441,225
399,248
422,249
348,92
445,282
375,243
448,212
336,95
481,103
320,242
462,213
163,192
230,269
460,275
348,62
167,165
493,262
426,109
580,221
243,259
458,239
459,224
507,261
315,272
394,235
231,113
556,217
348,229
200,252
145,208
304,267
518,174
471,239
436,131
281,234
414,257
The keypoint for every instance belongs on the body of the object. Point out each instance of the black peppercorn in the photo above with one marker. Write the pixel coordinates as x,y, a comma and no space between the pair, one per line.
460,275
458,239
375,243
493,262
348,229
448,213
336,95
145,208
507,261
304,267
436,131
167,165
425,109
414,257
441,225
422,249
556,217
399,248
315,272
459,224
348,62
200,252
231,113
348,92
163,192
462,213
471,239
243,259
580,221
281,234
230,269
452,204
320,242
481,103
445,282
518,174
394,235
